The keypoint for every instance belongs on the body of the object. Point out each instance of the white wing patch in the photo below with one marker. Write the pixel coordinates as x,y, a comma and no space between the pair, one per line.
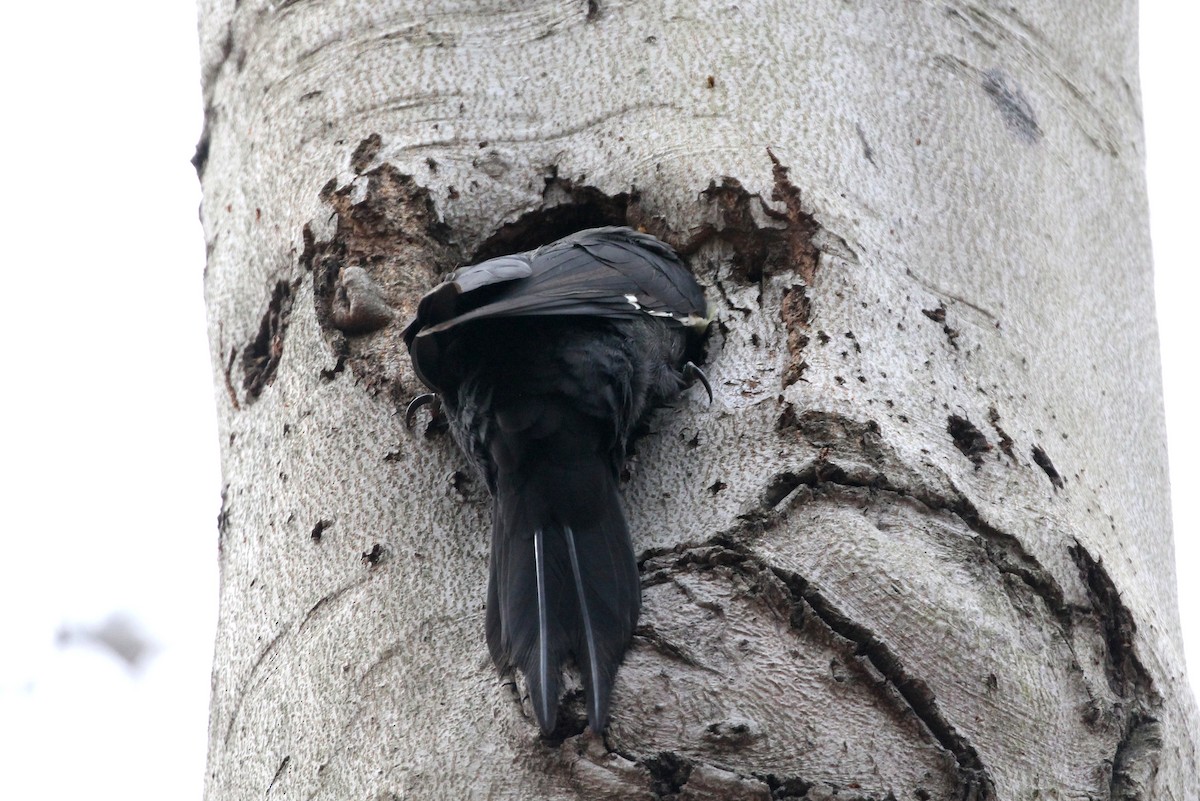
635,303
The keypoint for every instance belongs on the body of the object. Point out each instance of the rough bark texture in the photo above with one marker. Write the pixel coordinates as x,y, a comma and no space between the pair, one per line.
918,547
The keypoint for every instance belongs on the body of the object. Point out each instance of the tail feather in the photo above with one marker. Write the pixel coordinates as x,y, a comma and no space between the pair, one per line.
563,585
592,676
608,592
543,685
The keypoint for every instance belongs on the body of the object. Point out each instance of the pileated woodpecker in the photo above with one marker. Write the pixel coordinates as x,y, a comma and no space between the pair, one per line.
545,363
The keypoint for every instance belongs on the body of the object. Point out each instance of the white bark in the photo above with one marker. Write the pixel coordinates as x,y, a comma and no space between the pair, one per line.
924,225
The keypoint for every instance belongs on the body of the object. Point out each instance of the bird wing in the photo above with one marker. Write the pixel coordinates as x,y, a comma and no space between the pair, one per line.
601,272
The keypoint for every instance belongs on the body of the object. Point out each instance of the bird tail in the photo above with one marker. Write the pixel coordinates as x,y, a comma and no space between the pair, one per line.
564,583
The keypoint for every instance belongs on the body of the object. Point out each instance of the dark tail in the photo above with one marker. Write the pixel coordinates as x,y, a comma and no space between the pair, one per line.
564,582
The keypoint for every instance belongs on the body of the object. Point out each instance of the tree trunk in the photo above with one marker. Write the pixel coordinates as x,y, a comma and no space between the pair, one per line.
917,548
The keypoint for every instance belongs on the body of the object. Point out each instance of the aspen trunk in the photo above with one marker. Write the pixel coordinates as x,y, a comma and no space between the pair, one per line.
919,545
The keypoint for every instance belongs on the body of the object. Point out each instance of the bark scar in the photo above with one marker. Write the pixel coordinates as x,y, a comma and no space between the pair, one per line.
261,357
801,601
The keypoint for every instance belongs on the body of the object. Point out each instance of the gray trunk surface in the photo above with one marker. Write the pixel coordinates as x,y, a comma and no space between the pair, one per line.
919,545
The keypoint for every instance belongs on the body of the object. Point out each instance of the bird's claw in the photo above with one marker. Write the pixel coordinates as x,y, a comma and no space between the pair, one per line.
692,374
425,399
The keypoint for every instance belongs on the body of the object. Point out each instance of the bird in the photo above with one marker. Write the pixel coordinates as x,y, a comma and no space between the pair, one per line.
545,365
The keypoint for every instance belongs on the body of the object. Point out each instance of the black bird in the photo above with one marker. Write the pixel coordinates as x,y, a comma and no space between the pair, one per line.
545,364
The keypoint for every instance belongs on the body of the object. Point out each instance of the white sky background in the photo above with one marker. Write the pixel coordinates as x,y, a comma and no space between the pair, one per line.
110,473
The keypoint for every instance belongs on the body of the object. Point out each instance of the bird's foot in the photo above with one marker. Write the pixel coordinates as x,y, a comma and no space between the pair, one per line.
426,399
692,374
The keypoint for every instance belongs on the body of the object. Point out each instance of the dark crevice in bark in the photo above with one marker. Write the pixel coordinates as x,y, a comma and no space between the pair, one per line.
260,358
1043,461
968,439
674,777
780,487
1006,442
868,151
223,515
920,698
1126,674
572,717
566,207
796,312
327,599
938,315
783,787
651,637
278,772
798,601
1137,756
340,349
1010,101
230,389
668,774
852,442
200,157
375,555
318,531
836,472
1135,763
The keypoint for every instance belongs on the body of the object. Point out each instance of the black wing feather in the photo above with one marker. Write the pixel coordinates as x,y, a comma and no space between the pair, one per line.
600,272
